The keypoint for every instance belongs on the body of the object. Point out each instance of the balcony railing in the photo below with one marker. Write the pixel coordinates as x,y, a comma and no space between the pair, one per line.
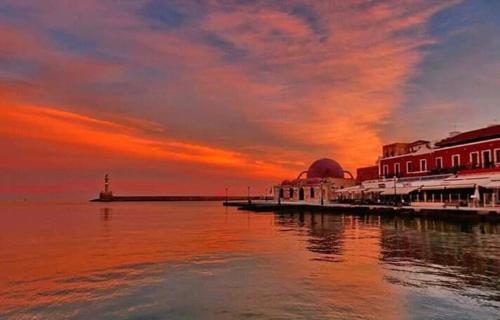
444,171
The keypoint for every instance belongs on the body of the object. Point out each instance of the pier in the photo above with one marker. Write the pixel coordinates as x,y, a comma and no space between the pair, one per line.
113,198
448,213
107,196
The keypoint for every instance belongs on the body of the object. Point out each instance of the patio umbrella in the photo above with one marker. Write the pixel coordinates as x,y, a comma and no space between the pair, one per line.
476,192
476,195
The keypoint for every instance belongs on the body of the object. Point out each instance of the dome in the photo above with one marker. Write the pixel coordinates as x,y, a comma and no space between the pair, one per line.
325,168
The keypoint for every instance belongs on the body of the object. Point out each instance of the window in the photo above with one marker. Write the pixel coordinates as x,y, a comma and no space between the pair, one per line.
423,165
291,192
397,169
497,156
409,166
474,159
455,160
486,158
301,194
312,193
385,170
439,163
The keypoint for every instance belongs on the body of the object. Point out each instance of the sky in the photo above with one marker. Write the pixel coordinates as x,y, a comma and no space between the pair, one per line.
191,97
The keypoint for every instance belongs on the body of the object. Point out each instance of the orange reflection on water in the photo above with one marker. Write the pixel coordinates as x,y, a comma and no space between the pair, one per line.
348,251
75,249
203,260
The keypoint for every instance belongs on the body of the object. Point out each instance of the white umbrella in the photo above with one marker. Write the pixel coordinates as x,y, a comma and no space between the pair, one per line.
476,195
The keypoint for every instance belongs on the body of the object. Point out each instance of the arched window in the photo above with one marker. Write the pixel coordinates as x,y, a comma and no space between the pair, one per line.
282,194
291,193
312,192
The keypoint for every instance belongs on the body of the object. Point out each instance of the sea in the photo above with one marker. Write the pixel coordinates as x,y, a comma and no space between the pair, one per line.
201,260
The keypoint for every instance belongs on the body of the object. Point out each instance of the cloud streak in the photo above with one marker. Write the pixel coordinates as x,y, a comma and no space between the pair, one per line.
62,127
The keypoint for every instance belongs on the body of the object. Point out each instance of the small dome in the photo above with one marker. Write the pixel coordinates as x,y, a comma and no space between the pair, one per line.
325,168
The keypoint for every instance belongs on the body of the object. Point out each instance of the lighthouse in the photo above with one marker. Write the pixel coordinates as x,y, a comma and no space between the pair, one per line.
106,183
106,195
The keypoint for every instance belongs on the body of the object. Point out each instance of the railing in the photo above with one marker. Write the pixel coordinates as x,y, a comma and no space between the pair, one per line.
437,172
409,179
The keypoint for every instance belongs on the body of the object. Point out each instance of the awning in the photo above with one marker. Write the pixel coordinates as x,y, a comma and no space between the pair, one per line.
376,190
355,189
399,191
495,184
449,186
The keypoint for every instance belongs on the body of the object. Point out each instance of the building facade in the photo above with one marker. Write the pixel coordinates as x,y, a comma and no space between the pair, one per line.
461,170
315,185
476,151
468,152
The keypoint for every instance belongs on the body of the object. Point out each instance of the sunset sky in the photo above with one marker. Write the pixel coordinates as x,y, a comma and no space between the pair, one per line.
190,97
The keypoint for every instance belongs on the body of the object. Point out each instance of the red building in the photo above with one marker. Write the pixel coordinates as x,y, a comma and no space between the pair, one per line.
366,173
468,152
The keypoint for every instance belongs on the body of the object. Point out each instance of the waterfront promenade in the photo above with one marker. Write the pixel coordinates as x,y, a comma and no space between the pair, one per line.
430,210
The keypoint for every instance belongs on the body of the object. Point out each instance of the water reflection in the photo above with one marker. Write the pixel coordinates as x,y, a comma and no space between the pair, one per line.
199,260
105,213
462,258
325,232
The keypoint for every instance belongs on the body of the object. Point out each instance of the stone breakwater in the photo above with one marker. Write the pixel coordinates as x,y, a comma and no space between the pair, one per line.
174,198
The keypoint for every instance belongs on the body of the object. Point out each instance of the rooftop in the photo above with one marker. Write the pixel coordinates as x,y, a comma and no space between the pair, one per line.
471,136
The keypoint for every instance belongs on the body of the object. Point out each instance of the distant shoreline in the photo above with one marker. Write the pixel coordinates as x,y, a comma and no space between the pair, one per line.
175,198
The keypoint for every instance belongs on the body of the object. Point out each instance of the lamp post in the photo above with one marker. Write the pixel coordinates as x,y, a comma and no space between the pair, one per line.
226,196
395,180
248,191
321,191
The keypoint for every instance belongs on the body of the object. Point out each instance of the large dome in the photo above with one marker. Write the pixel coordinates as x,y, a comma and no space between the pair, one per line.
325,168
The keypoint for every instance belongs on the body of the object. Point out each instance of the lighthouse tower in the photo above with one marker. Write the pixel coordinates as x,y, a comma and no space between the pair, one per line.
106,195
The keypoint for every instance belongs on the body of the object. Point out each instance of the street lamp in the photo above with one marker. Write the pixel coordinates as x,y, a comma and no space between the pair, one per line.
226,196
248,190
395,180
321,191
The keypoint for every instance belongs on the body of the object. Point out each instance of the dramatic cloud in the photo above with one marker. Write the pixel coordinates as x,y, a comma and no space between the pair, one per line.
63,127
226,94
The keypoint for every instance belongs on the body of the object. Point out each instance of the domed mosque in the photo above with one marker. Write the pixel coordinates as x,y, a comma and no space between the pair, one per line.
315,185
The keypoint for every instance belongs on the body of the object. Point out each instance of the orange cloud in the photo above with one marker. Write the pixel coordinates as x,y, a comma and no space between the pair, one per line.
62,127
336,91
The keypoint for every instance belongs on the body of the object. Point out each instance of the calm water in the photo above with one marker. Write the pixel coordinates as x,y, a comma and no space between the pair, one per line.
204,261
